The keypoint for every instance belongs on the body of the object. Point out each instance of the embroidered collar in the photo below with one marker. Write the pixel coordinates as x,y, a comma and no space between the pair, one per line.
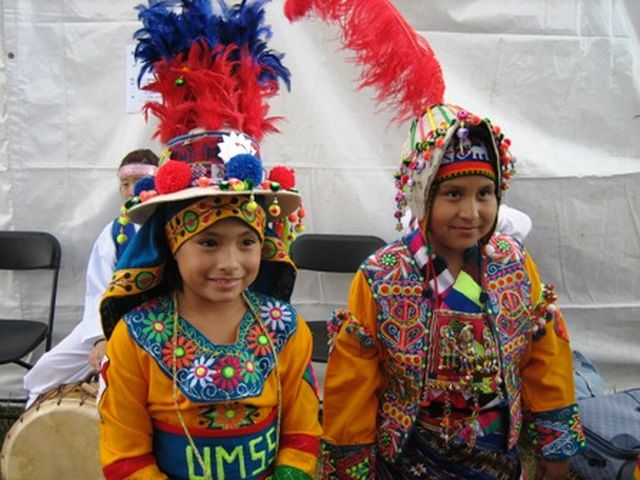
207,371
420,251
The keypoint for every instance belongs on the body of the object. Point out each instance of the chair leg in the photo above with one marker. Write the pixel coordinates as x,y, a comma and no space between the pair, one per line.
24,364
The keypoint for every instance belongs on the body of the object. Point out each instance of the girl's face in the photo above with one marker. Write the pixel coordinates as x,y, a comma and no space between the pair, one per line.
219,263
463,212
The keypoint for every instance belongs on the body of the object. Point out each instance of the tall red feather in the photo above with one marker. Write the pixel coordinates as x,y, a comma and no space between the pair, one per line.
395,59
215,92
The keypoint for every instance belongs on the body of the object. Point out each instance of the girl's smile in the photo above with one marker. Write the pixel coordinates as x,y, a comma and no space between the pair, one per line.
219,263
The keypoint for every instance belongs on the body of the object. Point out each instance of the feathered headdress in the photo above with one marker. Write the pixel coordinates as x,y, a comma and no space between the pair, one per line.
395,60
401,65
212,69
215,74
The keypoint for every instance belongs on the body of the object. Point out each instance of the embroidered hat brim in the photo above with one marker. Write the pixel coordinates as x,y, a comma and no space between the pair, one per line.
288,200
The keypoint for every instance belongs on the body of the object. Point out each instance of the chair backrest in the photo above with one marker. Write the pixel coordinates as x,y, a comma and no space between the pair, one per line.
333,252
330,253
28,251
22,250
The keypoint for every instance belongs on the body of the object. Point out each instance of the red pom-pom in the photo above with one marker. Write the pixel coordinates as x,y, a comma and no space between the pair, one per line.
173,176
286,177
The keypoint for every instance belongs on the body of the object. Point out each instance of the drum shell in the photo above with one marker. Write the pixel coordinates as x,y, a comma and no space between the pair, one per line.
56,438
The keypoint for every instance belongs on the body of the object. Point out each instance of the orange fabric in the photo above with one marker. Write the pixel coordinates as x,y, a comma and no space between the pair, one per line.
353,377
139,392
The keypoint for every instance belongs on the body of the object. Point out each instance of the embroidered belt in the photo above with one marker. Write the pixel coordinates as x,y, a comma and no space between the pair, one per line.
244,454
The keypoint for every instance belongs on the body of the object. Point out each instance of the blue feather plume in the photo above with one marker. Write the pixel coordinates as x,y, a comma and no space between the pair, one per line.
244,25
170,27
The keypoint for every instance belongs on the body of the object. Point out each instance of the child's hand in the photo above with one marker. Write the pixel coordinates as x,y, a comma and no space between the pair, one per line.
96,354
548,470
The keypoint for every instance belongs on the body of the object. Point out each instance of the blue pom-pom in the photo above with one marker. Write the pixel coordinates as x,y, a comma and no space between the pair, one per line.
144,184
244,167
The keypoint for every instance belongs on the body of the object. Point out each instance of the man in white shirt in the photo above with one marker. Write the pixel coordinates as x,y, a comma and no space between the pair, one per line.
80,352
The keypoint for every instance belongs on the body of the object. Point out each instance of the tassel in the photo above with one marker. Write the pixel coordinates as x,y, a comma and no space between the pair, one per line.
395,59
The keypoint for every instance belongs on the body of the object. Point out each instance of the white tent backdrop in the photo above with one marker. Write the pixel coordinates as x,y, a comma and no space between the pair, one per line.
562,77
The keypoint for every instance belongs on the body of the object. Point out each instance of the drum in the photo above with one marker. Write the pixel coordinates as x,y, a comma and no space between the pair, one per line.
56,438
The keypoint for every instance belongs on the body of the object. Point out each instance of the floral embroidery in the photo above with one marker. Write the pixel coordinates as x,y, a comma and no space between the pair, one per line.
392,263
249,375
185,352
207,372
201,371
259,341
388,260
228,373
157,328
277,315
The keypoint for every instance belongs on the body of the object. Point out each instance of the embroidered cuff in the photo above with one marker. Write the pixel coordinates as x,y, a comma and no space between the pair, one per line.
556,434
284,472
351,325
351,462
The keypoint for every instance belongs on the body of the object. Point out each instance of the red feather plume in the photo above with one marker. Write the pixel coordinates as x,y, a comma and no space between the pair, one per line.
396,60
211,90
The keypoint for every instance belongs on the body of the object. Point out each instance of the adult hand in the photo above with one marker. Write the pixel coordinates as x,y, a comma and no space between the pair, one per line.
96,354
548,470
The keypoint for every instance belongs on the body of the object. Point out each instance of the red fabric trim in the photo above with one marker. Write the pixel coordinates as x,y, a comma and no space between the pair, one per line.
465,167
300,441
210,433
123,468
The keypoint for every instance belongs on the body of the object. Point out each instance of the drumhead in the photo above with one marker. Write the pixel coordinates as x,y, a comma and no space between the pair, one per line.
57,438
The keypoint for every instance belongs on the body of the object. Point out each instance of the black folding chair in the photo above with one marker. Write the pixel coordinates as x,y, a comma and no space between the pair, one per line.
28,251
330,253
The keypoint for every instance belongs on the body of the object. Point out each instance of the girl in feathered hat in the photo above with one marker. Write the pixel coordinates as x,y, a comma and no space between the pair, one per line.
451,345
208,367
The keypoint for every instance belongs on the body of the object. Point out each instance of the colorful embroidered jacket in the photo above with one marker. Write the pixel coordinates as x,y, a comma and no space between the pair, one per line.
229,397
381,362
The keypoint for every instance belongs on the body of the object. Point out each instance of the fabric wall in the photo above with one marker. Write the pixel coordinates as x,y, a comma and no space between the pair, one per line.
562,77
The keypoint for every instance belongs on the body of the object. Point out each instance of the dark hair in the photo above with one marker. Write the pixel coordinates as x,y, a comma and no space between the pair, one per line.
143,155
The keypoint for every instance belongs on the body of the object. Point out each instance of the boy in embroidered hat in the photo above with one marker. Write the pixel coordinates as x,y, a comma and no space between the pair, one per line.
450,344
208,368
81,352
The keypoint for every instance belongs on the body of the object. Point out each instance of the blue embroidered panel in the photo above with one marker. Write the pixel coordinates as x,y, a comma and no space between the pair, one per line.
206,371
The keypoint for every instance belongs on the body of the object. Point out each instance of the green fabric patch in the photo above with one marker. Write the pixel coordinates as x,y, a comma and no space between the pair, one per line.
467,286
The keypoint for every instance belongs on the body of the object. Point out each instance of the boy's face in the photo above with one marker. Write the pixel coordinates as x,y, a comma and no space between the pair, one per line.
126,186
463,212
219,263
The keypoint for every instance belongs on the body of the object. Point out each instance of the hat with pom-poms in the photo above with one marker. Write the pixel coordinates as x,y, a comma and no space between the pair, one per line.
215,74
